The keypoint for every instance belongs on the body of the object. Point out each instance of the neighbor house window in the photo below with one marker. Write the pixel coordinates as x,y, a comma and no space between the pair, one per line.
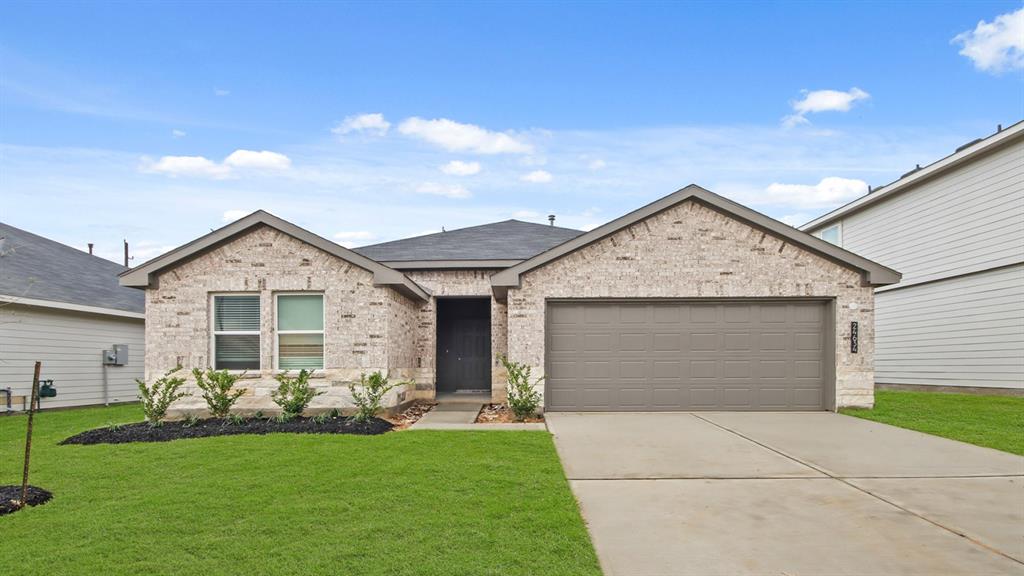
832,234
236,332
300,331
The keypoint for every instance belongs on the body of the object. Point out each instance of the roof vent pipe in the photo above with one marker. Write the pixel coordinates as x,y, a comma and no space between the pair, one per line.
551,219
90,248
125,252
999,128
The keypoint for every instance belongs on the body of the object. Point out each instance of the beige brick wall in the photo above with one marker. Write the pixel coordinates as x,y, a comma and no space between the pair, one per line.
692,251
367,328
456,283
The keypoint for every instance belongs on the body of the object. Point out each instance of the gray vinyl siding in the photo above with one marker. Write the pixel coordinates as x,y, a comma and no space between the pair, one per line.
69,344
969,220
965,331
957,316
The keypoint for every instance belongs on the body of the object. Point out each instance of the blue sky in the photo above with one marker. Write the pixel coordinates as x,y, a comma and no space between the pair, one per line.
364,123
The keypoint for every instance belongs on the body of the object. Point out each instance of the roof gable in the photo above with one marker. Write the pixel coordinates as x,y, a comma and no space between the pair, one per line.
500,243
141,276
36,270
872,273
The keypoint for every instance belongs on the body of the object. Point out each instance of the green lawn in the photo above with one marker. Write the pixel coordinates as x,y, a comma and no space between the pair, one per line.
993,421
423,503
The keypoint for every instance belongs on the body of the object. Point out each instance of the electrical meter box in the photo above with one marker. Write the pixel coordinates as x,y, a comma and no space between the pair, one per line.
116,356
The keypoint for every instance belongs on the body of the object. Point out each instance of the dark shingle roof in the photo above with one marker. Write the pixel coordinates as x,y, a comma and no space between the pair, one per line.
508,240
38,268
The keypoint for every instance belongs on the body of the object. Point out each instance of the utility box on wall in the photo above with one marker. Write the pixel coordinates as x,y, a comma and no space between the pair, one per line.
116,356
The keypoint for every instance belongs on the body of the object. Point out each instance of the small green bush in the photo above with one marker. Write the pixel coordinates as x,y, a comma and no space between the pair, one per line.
236,419
294,394
217,390
158,397
190,420
368,395
523,397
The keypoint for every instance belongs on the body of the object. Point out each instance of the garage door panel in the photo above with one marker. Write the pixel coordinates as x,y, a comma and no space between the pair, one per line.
656,355
705,341
634,342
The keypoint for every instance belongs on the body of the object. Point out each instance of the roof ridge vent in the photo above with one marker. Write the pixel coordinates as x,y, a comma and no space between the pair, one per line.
916,168
969,144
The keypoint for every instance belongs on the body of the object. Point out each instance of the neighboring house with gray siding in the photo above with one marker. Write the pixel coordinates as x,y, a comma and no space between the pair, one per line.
955,229
64,307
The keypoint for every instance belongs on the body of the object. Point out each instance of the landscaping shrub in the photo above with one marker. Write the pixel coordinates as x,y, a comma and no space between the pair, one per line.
217,390
158,397
294,394
368,396
523,397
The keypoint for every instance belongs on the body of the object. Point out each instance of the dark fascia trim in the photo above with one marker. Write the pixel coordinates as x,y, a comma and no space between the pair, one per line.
872,273
449,264
971,153
142,276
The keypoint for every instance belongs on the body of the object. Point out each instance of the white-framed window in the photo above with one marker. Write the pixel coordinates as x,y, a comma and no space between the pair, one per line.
235,333
299,338
833,234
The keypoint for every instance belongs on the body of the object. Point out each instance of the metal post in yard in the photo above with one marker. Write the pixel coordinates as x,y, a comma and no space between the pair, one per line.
28,434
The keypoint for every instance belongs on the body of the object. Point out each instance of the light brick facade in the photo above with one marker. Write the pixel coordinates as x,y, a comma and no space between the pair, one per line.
365,326
687,251
692,251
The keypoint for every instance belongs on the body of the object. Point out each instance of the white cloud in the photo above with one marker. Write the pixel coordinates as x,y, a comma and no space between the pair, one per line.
995,46
460,168
597,164
199,166
178,133
369,123
525,214
825,194
221,92
537,177
795,220
232,215
263,160
353,238
175,166
354,235
817,101
446,190
457,137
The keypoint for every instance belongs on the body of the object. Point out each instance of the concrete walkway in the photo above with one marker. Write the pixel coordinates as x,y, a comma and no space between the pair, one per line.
462,416
789,493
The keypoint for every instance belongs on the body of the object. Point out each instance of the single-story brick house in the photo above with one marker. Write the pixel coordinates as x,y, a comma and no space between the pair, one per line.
691,302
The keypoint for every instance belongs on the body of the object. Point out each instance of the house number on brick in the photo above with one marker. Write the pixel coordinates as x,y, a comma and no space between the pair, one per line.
854,337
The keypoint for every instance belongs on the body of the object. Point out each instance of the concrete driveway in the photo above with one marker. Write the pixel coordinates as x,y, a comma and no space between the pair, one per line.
789,494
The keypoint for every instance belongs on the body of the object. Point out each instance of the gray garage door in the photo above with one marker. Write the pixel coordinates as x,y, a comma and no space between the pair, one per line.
658,355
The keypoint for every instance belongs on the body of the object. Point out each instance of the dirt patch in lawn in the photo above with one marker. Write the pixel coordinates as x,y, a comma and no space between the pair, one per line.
10,496
143,432
411,414
501,414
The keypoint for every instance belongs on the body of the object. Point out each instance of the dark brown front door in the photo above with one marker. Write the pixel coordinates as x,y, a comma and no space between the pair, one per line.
463,344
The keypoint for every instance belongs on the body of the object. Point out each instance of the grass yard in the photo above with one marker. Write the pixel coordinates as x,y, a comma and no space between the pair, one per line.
993,421
413,502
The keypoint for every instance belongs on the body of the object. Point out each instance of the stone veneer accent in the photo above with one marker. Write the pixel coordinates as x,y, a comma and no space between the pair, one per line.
367,328
457,283
693,251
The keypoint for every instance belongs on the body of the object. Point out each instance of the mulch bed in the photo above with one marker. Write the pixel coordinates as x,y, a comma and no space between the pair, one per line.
10,496
501,414
411,414
143,432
